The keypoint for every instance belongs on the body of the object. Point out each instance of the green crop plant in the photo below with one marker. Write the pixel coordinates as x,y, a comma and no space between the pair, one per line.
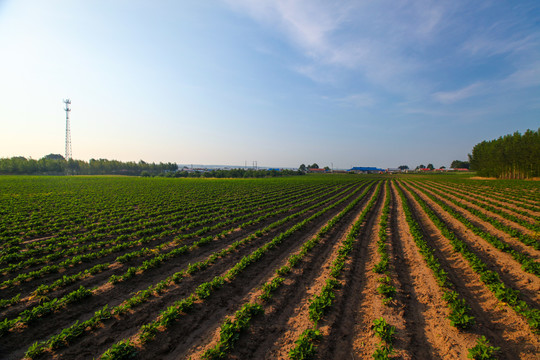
482,350
305,345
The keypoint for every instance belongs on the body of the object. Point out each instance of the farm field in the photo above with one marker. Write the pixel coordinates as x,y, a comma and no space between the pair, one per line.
323,266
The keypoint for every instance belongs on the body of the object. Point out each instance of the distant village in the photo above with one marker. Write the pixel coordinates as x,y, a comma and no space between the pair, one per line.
327,170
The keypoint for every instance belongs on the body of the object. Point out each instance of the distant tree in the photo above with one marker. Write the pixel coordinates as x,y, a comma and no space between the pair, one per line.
458,164
513,156
326,168
430,166
420,167
302,167
403,167
314,166
54,157
443,167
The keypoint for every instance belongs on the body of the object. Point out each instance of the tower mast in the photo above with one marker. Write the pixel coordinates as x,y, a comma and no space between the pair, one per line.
68,132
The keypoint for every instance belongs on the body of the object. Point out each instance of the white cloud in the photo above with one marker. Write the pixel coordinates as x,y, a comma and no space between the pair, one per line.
363,36
523,78
448,97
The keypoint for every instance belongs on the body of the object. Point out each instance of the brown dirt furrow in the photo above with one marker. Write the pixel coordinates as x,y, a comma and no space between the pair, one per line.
144,313
118,268
204,314
265,330
505,195
489,213
27,286
357,304
484,200
503,327
429,333
498,261
487,227
291,303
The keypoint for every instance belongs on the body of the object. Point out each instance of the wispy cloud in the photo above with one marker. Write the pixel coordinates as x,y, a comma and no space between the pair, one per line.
523,78
448,97
358,36
404,48
520,79
489,44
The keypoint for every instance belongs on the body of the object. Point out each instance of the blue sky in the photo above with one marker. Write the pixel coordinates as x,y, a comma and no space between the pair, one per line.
348,83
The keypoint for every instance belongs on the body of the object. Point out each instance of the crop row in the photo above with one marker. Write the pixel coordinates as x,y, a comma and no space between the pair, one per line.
161,229
492,279
202,291
460,316
125,245
230,329
471,199
158,259
60,245
321,302
528,264
492,199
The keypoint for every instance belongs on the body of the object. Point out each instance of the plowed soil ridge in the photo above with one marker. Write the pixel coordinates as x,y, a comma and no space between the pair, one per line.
347,326
259,341
485,226
212,309
442,340
465,200
497,261
503,328
502,205
85,309
292,316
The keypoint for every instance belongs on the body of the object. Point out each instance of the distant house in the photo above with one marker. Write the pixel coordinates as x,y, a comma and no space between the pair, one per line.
365,170
317,171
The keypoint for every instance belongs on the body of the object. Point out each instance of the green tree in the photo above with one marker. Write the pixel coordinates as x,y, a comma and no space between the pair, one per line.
403,167
54,157
430,166
458,164
513,156
302,167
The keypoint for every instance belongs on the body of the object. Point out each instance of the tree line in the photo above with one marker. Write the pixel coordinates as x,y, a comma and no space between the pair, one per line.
235,173
513,156
54,164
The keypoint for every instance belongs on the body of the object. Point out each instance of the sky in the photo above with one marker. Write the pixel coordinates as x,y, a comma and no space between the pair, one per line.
284,82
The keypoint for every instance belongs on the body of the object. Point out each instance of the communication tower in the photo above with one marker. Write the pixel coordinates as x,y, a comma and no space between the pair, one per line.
68,132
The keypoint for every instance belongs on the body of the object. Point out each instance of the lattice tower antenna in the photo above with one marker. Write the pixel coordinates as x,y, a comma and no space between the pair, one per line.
68,131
